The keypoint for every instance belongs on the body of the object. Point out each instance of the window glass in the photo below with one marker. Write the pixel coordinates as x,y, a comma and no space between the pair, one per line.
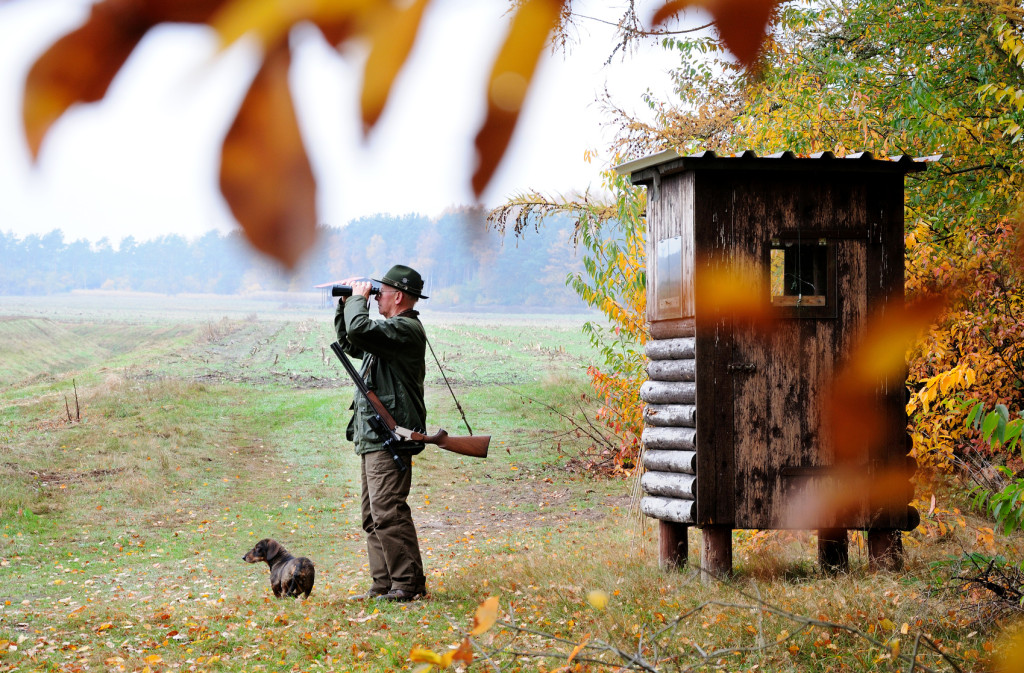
799,272
668,283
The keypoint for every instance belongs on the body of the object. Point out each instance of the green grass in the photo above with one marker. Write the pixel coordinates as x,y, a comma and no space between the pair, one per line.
121,535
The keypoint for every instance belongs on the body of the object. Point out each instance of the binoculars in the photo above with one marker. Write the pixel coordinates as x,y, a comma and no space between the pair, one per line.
346,290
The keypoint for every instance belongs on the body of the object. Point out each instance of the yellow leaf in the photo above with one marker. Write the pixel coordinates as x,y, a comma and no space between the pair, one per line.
424,656
887,624
154,659
509,81
485,617
392,35
598,598
1010,654
271,20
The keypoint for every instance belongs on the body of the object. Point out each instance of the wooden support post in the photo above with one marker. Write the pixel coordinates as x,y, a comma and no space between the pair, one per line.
672,545
715,553
885,549
833,550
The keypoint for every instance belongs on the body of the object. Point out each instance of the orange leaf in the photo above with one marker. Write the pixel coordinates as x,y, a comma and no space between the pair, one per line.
510,78
392,35
177,11
265,175
579,648
485,617
883,349
79,67
855,419
735,289
464,653
742,24
667,11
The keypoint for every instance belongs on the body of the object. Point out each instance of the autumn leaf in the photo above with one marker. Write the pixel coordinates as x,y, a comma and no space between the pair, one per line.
78,68
598,599
855,420
742,24
1010,657
485,617
391,37
579,648
271,20
463,653
265,175
422,655
735,289
509,81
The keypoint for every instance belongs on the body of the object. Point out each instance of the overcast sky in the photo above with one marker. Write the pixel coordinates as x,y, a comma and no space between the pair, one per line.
144,161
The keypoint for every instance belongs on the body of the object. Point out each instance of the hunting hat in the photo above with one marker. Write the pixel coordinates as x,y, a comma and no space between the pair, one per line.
405,279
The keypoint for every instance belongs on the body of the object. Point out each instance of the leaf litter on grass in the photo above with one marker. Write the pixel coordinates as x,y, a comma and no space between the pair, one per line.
111,577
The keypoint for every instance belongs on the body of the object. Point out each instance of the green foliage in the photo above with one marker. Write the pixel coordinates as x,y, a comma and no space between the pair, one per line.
613,280
1005,505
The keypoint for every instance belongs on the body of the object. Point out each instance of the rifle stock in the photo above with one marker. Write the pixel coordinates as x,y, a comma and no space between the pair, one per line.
474,446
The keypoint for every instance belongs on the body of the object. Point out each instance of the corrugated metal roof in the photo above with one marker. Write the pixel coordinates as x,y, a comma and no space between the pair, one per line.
750,158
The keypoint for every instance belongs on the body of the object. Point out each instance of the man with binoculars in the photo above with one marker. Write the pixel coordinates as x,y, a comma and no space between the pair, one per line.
393,353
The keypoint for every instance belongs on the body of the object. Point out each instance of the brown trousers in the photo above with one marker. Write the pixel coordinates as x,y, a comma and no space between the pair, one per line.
391,541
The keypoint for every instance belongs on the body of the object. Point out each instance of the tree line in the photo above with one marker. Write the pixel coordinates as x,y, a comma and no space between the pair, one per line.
465,264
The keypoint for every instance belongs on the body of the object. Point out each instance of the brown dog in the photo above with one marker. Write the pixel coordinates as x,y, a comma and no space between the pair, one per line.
289,576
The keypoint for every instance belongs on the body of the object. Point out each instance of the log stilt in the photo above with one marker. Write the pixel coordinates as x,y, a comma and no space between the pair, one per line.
715,553
833,550
672,545
885,549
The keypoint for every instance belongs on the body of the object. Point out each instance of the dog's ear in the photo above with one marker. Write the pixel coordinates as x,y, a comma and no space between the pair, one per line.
272,549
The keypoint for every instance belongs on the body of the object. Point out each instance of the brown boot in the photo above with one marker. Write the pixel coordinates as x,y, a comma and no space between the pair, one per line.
370,593
403,596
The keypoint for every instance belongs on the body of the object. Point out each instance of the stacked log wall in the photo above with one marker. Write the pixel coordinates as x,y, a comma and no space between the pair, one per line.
670,423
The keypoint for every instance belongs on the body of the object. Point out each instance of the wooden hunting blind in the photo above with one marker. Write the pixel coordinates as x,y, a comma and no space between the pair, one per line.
733,435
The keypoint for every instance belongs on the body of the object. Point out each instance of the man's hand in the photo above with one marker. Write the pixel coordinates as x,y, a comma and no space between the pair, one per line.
353,282
362,287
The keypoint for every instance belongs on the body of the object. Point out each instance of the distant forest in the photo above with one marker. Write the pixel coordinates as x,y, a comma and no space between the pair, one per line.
465,265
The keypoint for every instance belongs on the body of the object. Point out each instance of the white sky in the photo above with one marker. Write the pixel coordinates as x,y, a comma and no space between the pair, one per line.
144,161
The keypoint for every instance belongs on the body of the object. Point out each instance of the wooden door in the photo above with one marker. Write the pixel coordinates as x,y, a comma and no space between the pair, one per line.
781,375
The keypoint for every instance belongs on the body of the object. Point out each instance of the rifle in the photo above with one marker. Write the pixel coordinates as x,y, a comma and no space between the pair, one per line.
383,423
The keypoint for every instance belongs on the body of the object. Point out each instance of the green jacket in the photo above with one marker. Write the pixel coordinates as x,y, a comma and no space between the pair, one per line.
393,353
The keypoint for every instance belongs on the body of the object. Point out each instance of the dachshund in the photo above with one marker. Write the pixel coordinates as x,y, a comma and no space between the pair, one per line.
289,576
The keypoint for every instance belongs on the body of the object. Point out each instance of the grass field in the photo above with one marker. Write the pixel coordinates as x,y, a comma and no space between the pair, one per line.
148,442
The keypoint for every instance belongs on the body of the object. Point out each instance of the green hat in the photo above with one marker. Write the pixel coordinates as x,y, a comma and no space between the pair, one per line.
405,279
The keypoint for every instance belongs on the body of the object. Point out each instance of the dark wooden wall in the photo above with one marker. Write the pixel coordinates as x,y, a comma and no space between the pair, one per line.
761,439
